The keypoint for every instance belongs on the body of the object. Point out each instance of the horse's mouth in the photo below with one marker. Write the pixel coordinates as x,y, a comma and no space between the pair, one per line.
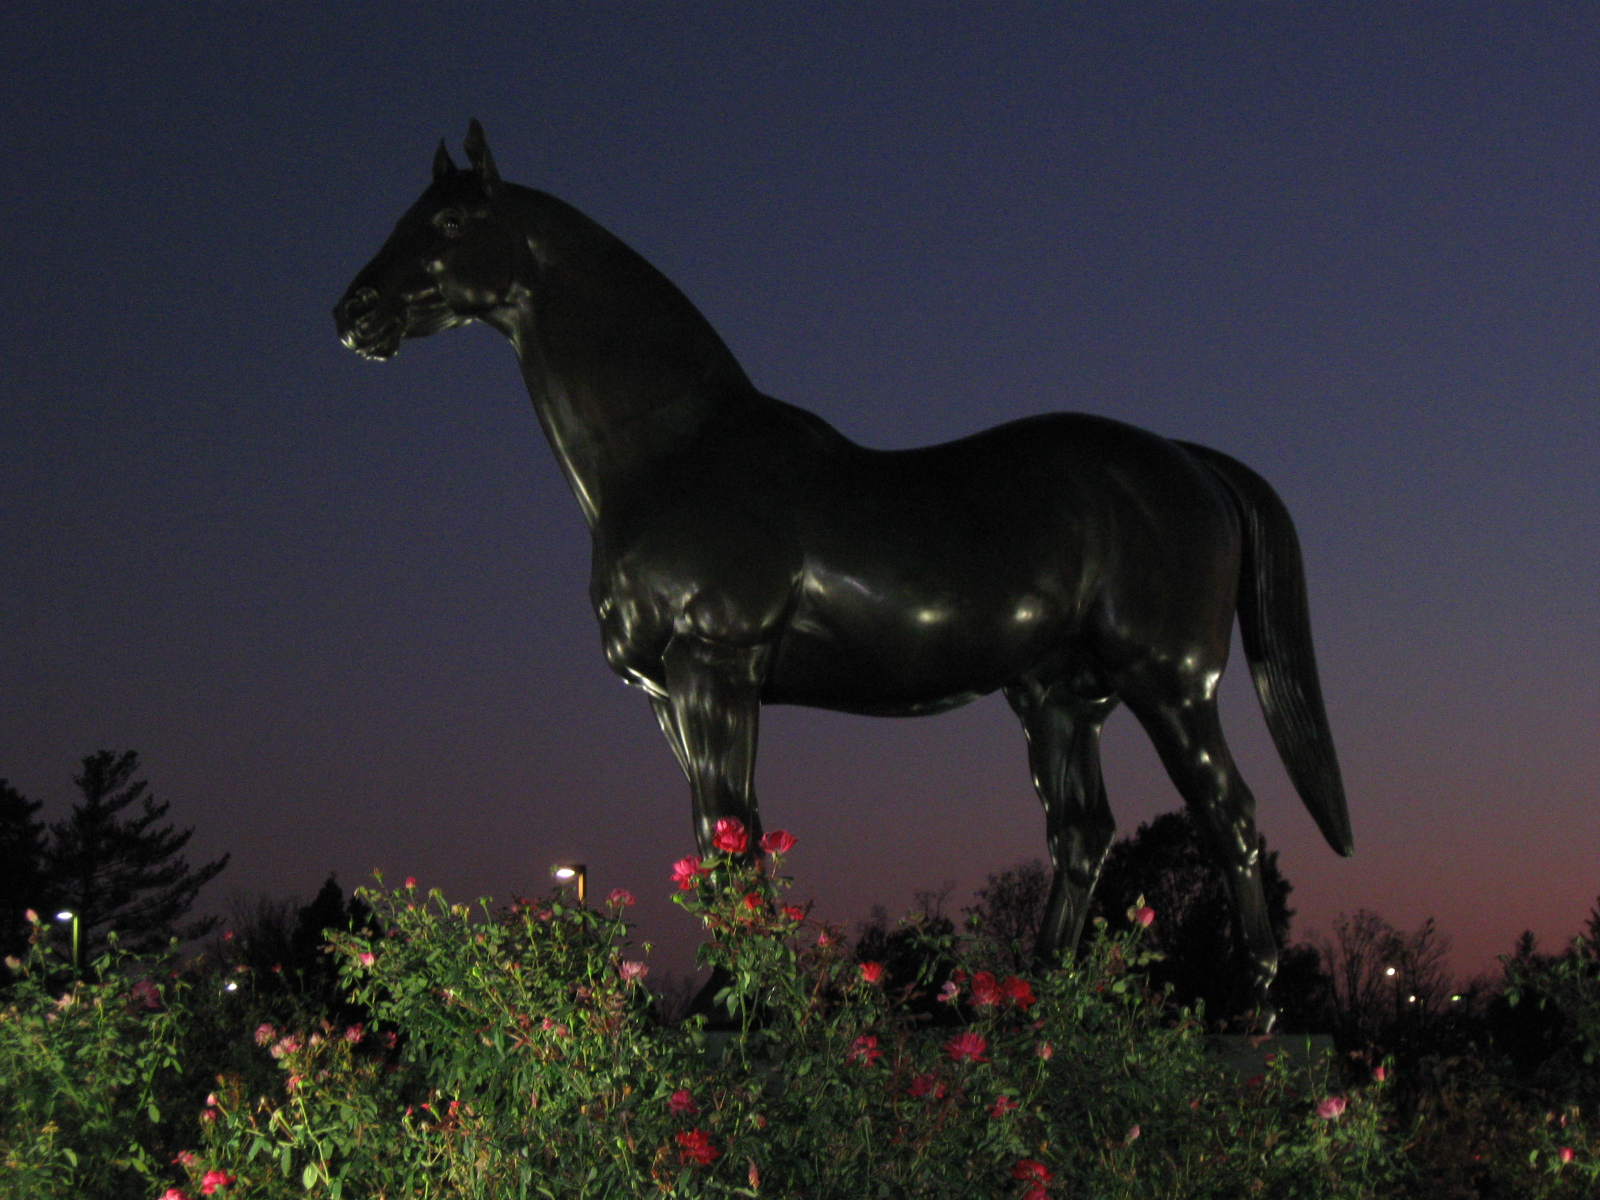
375,331
374,344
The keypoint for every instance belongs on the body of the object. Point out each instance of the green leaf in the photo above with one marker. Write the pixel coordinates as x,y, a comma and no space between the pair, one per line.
308,1177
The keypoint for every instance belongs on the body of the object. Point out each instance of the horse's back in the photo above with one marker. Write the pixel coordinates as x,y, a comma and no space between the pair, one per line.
939,574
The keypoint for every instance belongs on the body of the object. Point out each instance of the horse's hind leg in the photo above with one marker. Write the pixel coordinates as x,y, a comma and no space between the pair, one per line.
1063,730
1187,733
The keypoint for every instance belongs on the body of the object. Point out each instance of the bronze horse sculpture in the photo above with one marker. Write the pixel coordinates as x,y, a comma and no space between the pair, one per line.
746,553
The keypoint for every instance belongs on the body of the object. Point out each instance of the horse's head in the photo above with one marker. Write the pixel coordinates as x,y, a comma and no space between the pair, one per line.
450,260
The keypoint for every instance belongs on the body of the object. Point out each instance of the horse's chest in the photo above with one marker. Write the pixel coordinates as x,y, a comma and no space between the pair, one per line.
723,585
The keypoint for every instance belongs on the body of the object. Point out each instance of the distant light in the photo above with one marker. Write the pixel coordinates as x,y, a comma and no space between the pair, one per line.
65,915
564,872
231,987
1388,970
1411,999
1455,999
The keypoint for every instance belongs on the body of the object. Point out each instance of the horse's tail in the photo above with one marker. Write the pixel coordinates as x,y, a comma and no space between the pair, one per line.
1275,625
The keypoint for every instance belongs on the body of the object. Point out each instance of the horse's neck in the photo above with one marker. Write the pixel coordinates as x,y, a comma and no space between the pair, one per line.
621,367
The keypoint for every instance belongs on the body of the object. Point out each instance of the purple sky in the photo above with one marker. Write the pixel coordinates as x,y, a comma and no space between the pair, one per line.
340,608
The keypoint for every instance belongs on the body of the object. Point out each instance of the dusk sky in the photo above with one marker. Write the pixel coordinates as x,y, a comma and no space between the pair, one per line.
340,607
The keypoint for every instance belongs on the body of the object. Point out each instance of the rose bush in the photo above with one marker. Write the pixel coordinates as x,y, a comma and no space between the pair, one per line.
515,1052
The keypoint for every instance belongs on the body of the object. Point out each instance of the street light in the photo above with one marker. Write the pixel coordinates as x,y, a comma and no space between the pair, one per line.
571,870
68,915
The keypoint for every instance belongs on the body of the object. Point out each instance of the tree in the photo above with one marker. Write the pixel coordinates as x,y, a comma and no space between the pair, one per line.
1170,864
22,880
124,872
916,955
1388,986
1010,909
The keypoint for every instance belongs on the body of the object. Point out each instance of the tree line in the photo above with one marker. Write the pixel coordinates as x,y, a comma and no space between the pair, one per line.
115,863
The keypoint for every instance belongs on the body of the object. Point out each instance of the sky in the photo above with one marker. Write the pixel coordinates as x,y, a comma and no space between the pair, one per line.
340,607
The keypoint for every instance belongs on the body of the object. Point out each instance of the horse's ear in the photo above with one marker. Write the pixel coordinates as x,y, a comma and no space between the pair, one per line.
443,167
478,154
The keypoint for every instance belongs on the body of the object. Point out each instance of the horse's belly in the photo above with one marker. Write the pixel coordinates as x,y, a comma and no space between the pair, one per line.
925,658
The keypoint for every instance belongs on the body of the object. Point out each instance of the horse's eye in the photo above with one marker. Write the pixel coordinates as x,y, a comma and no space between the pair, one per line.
451,223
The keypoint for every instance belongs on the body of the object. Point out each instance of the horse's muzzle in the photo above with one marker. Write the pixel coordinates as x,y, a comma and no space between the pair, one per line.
364,327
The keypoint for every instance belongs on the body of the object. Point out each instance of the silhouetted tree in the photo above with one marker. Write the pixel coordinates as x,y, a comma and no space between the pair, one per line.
124,870
1010,909
1169,862
279,950
1389,987
915,965
22,880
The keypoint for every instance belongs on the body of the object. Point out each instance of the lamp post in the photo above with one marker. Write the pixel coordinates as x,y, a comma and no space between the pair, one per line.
68,915
571,870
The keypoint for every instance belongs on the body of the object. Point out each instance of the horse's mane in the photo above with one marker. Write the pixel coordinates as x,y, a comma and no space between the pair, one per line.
619,289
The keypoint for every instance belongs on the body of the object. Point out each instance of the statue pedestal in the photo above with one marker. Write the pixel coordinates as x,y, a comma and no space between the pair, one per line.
1247,1054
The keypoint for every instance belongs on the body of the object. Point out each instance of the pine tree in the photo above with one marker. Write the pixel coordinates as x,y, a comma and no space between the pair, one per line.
22,881
124,872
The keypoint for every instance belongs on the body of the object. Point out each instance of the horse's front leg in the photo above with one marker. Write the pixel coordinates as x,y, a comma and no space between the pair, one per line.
710,715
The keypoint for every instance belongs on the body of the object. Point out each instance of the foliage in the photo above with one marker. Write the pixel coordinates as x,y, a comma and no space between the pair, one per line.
528,1063
1010,909
1563,994
515,1052
124,872
22,883
83,1078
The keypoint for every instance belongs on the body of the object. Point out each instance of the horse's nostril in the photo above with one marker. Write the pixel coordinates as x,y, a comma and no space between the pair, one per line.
356,305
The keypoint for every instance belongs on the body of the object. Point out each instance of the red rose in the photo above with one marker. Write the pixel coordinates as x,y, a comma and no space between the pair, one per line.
730,837
985,990
779,841
1018,992
697,1148
872,972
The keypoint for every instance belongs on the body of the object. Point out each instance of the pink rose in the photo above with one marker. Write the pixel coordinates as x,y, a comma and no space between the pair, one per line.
632,971
1330,1107
1002,1105
620,898
779,841
367,958
265,1033
214,1180
186,1158
730,836
872,972
794,913
173,1193
1380,1073
354,1033
1044,1050
686,872
864,1050
411,881
1145,916
950,992
1564,1154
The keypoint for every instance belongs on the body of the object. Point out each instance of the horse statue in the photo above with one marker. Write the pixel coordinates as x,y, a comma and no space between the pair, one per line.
746,553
